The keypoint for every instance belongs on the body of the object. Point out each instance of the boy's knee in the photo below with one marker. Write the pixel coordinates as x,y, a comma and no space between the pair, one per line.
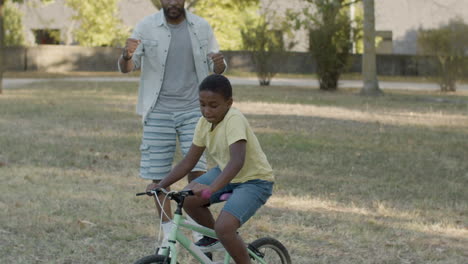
224,231
192,202
227,225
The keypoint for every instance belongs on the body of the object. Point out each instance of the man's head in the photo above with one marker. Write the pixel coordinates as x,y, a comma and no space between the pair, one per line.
173,9
215,97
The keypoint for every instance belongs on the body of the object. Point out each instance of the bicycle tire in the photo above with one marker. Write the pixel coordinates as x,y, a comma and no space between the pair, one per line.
272,250
154,259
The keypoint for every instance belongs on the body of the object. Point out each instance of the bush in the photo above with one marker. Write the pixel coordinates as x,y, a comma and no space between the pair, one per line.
13,23
263,37
329,29
449,44
264,44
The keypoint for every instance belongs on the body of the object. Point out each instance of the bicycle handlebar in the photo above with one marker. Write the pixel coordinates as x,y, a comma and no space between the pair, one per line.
166,192
205,193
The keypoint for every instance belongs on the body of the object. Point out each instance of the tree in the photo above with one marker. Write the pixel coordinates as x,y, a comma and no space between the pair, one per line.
191,3
225,16
99,23
13,26
369,69
449,44
263,37
330,41
2,37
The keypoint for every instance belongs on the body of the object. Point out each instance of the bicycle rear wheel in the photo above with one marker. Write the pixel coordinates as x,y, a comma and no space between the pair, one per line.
272,251
154,259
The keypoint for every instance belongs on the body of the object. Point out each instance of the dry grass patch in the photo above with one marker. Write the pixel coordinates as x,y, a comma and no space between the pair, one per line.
359,180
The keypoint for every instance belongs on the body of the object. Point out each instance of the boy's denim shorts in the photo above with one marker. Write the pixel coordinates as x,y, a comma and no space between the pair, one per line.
246,198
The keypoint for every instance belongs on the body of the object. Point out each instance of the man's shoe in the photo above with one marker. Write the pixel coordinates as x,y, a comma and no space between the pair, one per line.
208,244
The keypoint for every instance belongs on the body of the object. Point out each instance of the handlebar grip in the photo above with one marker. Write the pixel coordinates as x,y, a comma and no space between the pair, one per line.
143,193
206,193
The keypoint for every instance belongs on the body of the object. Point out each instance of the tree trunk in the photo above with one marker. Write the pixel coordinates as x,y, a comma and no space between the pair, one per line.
2,42
369,68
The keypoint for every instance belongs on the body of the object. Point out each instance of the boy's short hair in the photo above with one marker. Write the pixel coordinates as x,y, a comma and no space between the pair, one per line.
217,83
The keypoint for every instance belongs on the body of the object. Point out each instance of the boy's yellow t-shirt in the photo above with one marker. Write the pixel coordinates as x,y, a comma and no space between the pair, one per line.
232,128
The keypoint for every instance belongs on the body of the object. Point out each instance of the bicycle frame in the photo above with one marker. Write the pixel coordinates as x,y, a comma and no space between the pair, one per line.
177,236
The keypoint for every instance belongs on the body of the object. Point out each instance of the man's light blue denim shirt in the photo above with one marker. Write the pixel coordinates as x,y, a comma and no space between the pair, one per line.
151,54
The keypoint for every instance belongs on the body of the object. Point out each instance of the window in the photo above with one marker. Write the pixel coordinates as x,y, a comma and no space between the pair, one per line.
47,36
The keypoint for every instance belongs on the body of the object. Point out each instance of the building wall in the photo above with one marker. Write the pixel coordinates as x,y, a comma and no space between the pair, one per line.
279,8
57,15
61,58
405,17
402,18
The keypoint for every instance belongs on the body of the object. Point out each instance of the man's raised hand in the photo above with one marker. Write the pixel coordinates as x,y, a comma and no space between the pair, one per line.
218,61
130,46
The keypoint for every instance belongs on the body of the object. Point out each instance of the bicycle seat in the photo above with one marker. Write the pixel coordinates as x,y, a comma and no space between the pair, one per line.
225,196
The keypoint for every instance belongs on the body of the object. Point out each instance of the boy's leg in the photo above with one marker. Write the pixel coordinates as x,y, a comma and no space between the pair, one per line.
244,202
196,207
226,229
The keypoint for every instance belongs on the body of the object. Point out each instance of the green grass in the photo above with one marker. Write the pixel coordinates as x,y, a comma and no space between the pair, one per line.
359,180
345,76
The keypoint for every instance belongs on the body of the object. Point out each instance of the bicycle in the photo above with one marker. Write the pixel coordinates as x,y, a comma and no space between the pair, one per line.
264,250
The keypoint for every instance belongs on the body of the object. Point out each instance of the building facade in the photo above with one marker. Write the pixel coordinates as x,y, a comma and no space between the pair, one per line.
53,24
404,18
397,21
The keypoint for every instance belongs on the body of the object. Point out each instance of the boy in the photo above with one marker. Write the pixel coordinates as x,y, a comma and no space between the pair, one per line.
242,169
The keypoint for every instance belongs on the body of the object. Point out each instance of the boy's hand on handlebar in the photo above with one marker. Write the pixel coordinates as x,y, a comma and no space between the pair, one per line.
198,189
152,186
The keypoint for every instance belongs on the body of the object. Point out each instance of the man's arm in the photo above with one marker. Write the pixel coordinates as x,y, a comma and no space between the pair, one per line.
218,64
126,63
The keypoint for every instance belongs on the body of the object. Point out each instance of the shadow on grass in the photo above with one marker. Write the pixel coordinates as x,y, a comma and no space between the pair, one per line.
350,98
341,236
392,193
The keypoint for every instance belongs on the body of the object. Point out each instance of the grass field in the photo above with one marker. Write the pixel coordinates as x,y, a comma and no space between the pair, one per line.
359,180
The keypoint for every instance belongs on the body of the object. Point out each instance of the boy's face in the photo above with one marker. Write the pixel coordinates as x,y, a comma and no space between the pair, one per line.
214,106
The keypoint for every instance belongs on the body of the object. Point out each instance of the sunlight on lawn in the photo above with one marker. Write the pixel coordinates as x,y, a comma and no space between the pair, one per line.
393,117
386,216
358,180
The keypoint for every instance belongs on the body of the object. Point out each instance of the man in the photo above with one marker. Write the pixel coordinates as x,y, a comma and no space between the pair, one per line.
175,50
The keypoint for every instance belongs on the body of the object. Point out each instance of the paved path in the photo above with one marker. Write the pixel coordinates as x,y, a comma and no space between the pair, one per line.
302,82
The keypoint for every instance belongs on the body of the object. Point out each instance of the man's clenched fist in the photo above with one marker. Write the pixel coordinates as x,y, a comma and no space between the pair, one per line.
130,47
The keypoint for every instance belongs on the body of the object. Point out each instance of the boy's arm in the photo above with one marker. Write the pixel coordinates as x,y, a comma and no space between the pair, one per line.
183,167
237,152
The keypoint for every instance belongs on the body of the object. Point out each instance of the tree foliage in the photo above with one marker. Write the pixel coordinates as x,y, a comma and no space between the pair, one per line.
2,34
13,26
99,23
227,19
262,36
329,27
449,44
225,16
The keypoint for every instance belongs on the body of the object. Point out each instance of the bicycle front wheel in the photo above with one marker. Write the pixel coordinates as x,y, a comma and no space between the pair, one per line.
272,251
154,259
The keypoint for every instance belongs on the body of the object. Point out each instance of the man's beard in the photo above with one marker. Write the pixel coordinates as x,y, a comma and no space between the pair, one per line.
169,12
